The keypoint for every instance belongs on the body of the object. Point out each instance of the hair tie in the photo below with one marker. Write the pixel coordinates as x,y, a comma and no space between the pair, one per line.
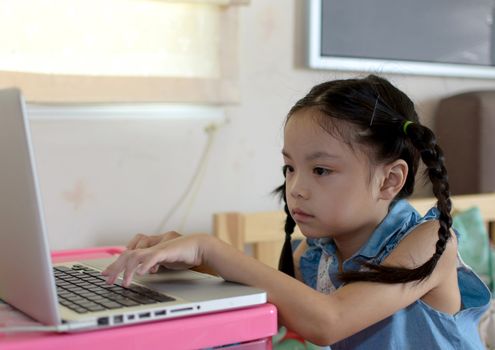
405,125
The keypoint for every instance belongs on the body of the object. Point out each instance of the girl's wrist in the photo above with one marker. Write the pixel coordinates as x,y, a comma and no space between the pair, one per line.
210,249
204,246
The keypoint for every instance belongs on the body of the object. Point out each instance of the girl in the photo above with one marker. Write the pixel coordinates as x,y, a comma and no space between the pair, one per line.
372,273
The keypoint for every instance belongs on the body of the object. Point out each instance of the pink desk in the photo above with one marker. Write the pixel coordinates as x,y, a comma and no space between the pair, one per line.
249,328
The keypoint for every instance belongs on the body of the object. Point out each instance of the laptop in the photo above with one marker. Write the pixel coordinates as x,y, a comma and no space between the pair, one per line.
74,296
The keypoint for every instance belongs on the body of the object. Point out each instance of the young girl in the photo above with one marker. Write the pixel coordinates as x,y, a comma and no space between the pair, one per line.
372,273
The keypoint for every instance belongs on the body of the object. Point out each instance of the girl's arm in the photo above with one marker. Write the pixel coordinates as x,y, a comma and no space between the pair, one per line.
322,319
325,319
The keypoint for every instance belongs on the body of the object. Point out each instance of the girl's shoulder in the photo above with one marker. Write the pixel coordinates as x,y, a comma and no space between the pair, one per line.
419,245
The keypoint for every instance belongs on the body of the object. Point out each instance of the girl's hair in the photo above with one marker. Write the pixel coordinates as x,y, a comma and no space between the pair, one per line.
383,119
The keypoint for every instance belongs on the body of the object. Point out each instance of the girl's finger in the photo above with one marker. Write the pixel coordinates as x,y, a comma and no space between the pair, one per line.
167,236
114,269
147,264
144,242
127,278
132,263
132,244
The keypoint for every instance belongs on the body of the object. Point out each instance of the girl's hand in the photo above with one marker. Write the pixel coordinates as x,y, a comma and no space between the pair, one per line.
145,241
179,253
141,240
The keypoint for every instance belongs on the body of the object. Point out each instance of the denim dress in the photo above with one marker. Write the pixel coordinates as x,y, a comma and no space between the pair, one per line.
417,326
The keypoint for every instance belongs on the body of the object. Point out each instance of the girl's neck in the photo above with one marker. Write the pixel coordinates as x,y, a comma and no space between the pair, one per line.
349,243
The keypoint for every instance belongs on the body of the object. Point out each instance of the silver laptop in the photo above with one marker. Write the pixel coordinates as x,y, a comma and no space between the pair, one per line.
74,296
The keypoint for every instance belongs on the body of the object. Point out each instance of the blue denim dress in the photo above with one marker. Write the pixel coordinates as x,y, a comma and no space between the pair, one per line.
417,326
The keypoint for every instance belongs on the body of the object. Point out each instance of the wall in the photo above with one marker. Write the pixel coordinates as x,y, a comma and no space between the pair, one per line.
105,180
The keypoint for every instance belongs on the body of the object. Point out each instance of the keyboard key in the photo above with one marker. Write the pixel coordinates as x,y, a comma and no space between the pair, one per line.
97,307
110,304
126,302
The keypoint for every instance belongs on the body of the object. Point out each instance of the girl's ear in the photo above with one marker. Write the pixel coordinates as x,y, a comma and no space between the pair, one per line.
394,177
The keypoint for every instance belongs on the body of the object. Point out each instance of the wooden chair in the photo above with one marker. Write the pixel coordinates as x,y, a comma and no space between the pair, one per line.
263,232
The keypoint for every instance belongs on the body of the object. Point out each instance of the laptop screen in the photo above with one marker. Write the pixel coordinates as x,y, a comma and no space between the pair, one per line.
26,279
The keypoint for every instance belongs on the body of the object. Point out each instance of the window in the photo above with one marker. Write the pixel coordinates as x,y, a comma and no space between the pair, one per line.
120,50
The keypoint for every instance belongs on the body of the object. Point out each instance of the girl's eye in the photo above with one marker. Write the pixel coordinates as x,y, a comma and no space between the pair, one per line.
287,169
321,171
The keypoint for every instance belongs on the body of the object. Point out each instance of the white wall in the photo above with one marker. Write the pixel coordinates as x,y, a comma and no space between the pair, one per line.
104,181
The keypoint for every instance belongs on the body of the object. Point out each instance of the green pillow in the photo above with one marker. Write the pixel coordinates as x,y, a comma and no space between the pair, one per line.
474,244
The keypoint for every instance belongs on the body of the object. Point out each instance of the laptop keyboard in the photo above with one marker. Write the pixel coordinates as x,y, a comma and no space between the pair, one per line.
83,289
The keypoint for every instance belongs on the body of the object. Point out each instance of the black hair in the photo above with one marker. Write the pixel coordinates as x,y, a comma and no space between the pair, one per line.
377,112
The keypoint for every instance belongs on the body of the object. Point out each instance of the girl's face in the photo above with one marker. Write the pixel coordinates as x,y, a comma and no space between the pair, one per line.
331,189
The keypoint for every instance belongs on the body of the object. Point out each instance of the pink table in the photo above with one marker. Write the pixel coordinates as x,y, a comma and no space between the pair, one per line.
249,328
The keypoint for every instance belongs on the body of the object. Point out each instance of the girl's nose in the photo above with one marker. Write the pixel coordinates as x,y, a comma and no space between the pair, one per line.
298,189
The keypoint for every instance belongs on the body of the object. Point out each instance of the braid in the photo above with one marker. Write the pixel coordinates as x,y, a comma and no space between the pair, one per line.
424,141
431,154
286,261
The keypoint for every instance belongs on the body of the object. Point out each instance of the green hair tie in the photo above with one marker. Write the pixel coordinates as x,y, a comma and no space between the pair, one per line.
405,125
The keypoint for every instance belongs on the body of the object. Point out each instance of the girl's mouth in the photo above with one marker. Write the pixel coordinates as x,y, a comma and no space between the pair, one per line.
299,215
